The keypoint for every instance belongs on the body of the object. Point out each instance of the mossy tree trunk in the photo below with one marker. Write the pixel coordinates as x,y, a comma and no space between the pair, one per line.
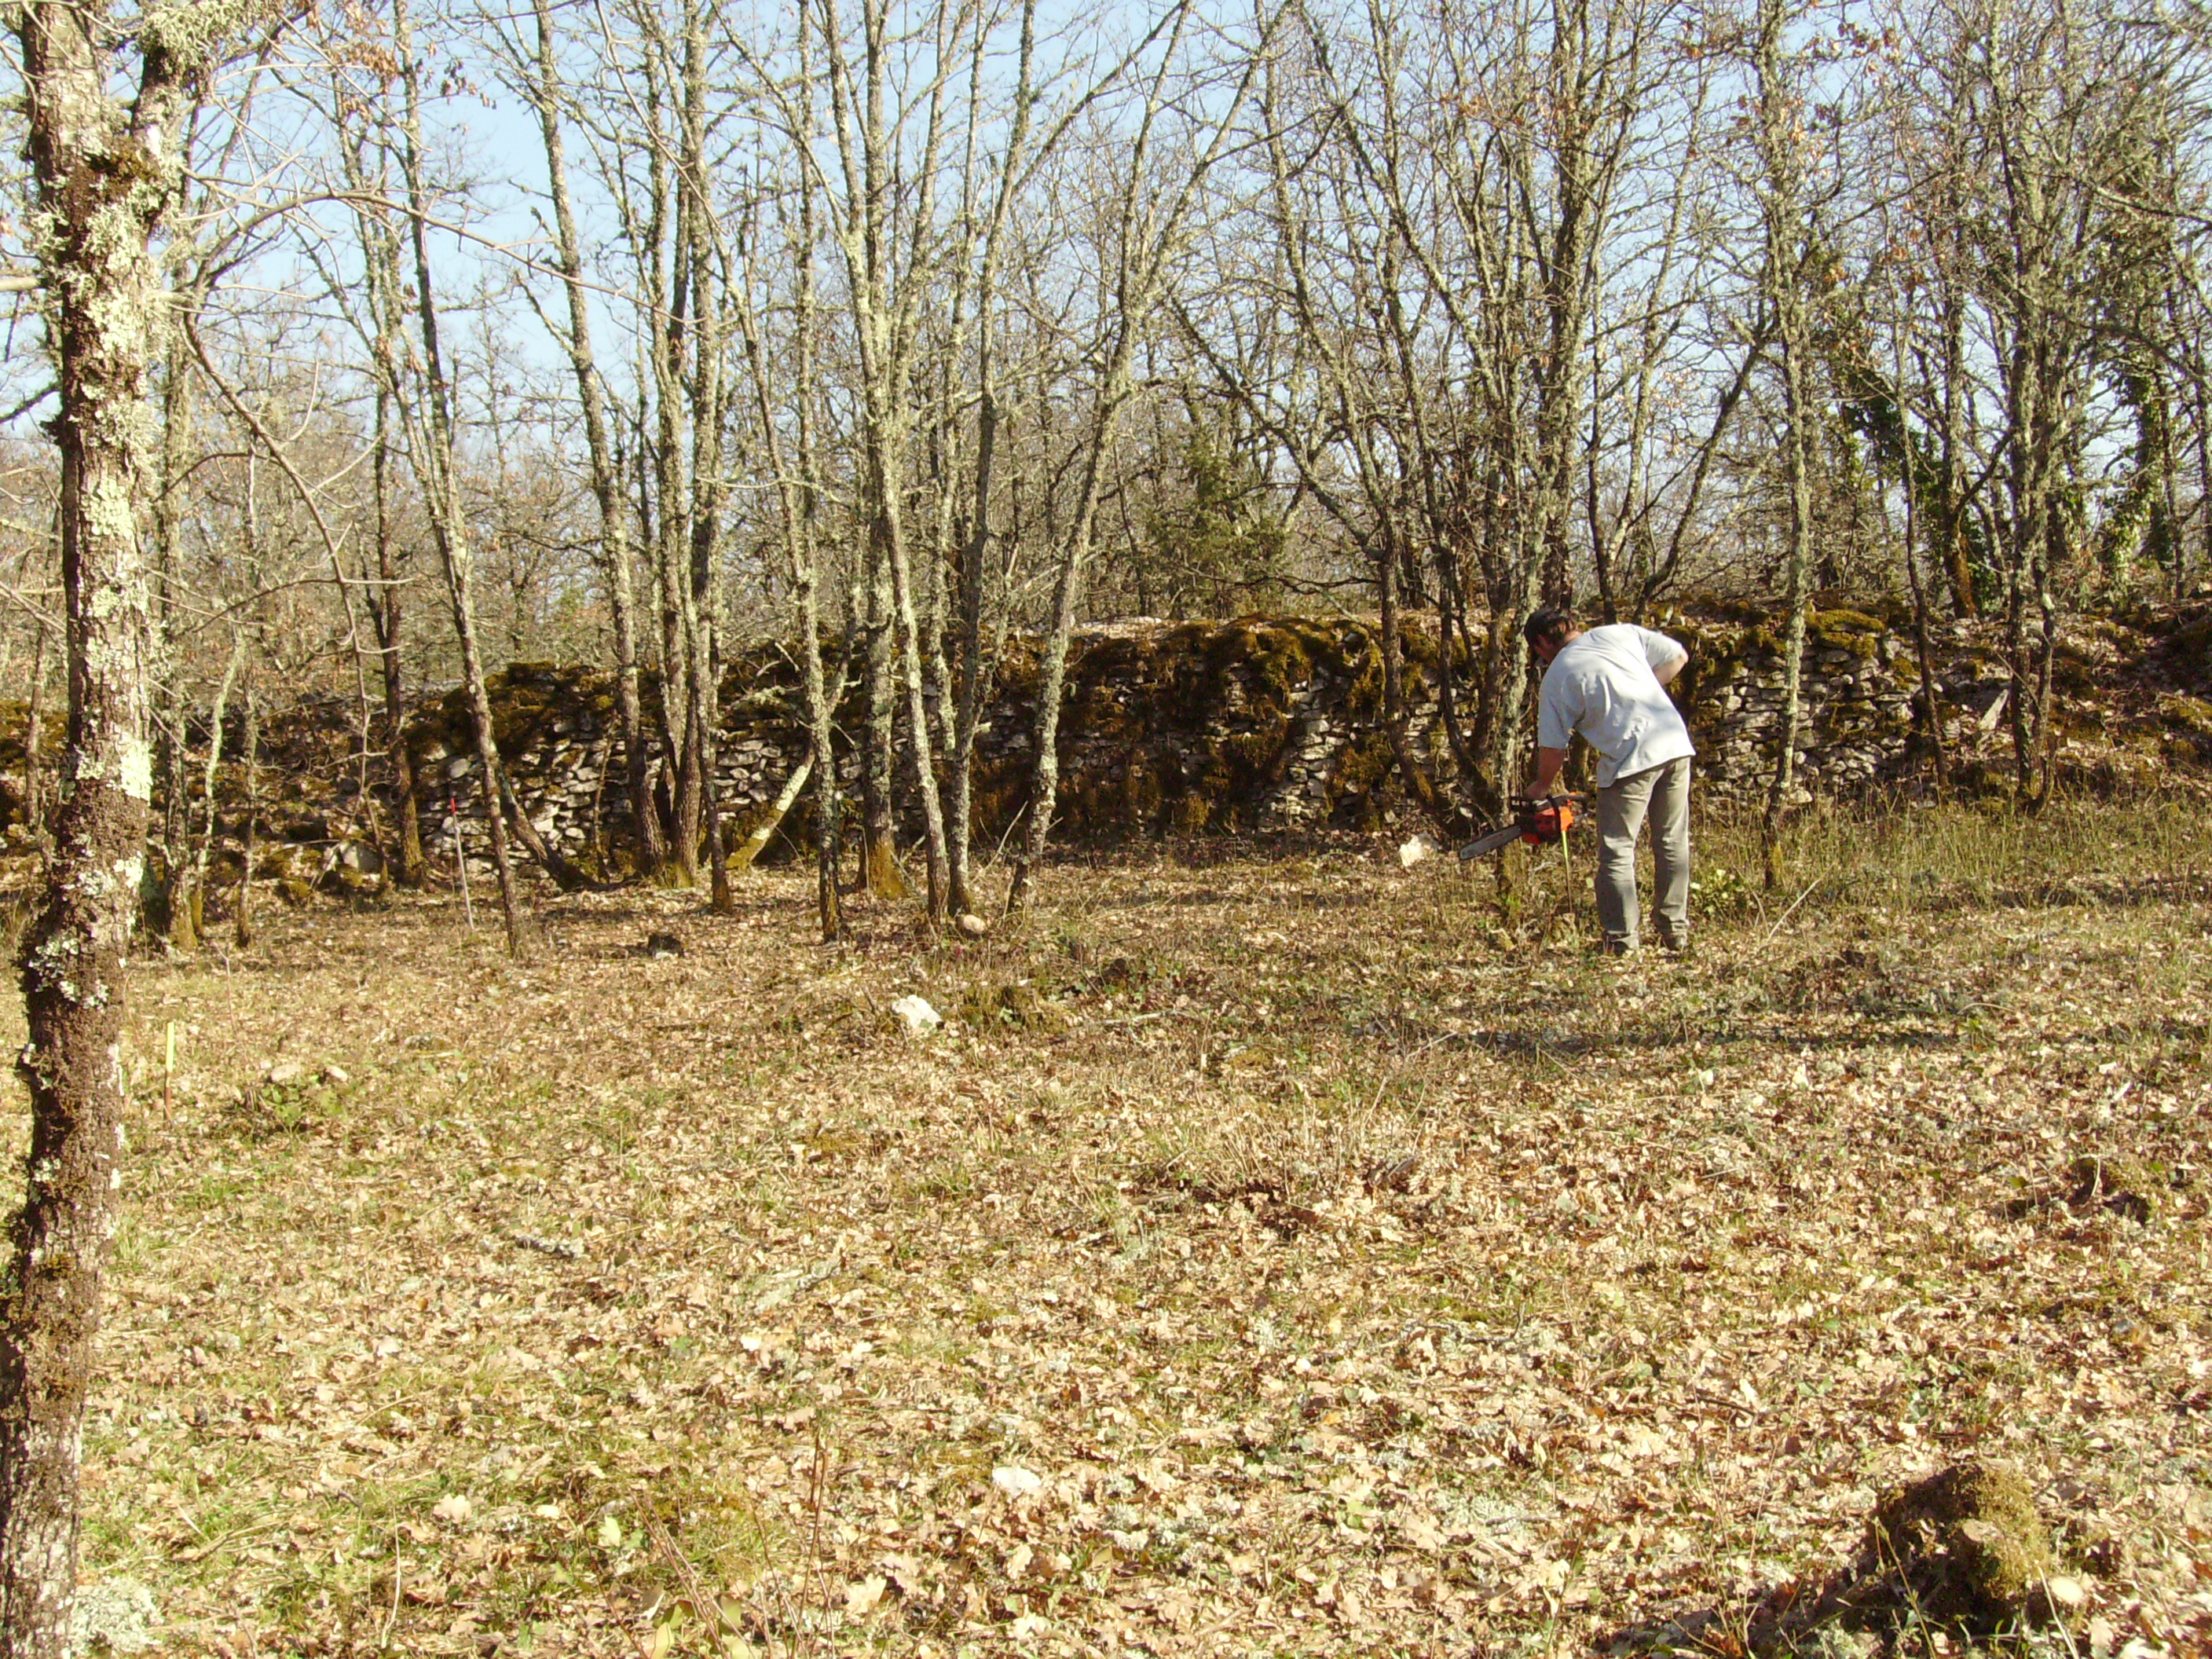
763,831
1148,229
105,169
1587,123
980,646
921,751
708,473
1958,567
707,393
664,239
1931,704
174,911
879,869
803,507
2202,379
1419,786
364,157
211,777
386,615
249,757
886,235
981,641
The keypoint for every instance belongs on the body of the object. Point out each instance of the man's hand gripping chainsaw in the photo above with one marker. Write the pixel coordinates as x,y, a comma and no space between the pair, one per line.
1539,822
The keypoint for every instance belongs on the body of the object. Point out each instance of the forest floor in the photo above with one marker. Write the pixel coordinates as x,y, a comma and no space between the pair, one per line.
1271,1254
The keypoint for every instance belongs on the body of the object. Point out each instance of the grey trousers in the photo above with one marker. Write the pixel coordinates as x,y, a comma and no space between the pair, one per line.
1662,793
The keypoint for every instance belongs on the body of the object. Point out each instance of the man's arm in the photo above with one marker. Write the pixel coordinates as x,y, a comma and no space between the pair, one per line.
1548,762
1667,656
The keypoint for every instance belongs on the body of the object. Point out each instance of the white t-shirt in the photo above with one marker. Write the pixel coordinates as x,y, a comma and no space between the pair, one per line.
1601,685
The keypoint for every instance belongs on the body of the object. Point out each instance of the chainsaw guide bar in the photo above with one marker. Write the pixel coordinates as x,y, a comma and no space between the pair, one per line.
1489,843
1539,822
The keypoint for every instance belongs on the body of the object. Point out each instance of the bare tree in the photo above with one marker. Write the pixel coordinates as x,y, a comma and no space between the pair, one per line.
1779,142
1146,226
795,469
422,393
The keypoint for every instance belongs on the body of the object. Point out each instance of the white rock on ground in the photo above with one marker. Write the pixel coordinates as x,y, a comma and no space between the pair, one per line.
917,1015
1414,851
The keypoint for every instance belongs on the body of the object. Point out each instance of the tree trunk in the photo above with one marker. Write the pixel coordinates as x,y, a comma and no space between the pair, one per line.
1781,208
1957,568
174,911
1067,588
549,858
764,831
879,871
667,335
250,750
1931,704
104,173
433,456
891,526
385,609
1419,785
196,897
2204,485
829,800
977,660
798,499
1044,765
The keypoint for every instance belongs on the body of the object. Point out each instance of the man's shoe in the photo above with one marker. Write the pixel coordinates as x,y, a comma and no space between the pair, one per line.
1677,946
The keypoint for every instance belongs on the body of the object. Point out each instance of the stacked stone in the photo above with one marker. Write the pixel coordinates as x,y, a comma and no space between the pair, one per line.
1858,695
571,781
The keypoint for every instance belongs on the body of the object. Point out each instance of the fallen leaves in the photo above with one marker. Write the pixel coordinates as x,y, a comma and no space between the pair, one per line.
1305,1249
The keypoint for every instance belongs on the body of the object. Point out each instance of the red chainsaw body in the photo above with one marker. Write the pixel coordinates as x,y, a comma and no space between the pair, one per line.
1540,822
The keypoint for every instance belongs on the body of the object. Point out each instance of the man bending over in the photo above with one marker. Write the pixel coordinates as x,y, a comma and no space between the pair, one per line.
1608,684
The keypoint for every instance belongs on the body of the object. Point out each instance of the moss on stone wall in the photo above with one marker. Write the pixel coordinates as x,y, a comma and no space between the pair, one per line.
1213,727
1190,728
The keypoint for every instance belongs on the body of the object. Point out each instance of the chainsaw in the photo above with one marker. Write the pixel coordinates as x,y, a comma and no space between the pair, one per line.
1539,822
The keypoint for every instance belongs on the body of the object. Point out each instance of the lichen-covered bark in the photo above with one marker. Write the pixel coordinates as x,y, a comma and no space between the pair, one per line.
104,171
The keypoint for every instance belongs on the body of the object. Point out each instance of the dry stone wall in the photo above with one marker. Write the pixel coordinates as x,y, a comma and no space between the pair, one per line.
1259,725
1256,725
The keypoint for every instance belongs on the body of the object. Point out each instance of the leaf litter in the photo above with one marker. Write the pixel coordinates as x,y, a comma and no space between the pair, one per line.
1336,1272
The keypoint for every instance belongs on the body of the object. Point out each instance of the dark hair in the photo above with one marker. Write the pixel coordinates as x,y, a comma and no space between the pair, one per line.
1547,624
